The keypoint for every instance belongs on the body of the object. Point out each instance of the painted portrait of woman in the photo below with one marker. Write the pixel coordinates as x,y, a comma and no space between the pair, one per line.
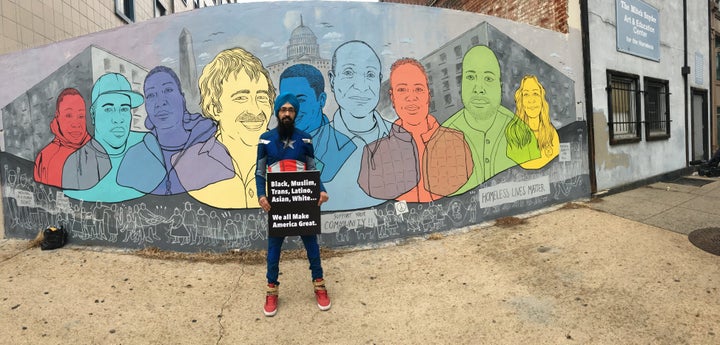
533,109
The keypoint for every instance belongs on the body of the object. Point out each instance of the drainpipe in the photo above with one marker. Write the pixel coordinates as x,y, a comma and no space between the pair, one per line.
711,78
587,73
685,71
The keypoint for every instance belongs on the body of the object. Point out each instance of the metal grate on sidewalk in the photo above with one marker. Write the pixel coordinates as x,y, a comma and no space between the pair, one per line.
707,239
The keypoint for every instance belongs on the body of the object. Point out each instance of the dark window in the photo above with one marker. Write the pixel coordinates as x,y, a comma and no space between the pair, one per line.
159,9
125,9
443,58
657,110
623,107
448,99
458,52
474,40
717,57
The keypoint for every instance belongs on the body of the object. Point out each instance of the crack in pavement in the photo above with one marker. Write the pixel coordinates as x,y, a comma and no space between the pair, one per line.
14,255
221,331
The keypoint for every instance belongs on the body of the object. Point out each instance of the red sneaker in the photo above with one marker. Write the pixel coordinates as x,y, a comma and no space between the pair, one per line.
323,301
271,300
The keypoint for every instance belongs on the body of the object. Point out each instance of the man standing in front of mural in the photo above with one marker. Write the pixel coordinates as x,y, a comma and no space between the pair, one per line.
483,120
237,93
147,166
70,131
282,147
308,85
90,173
355,79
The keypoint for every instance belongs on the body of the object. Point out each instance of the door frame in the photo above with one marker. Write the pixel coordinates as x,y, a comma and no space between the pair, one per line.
703,93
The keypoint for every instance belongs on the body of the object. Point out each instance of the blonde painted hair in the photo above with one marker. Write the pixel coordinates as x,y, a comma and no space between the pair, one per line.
545,131
228,62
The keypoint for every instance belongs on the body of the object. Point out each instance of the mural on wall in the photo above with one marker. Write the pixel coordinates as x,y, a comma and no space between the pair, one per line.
413,141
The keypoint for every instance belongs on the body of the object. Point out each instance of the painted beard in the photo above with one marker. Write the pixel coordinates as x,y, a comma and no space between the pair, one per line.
286,127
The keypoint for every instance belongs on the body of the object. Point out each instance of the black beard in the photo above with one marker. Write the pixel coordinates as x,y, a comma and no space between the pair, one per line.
286,127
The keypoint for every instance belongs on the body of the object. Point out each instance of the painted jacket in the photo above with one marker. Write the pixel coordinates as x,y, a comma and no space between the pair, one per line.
147,166
340,151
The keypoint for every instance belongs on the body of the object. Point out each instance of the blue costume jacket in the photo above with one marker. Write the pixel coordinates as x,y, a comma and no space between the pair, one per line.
275,154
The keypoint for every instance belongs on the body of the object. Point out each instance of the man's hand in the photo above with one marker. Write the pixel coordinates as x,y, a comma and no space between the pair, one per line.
323,198
265,204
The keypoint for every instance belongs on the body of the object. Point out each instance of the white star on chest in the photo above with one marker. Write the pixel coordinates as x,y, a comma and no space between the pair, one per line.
288,143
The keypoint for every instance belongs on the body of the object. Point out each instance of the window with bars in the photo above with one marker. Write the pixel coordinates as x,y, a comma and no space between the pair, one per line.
624,107
657,112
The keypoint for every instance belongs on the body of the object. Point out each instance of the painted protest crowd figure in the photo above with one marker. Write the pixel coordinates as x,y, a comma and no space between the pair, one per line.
440,160
355,81
237,93
308,85
484,121
147,166
533,110
70,132
90,173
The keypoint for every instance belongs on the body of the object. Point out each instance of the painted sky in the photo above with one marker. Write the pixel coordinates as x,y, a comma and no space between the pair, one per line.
264,28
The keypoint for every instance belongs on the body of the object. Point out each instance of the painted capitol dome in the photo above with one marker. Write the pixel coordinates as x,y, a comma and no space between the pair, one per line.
303,47
303,42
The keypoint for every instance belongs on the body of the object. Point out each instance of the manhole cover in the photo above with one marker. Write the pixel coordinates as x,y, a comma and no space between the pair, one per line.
707,239
689,181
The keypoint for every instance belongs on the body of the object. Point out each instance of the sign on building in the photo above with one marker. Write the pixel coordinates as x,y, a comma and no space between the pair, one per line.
638,29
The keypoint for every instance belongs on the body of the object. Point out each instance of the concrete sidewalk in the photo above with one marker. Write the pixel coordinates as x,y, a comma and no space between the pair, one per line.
606,271
681,205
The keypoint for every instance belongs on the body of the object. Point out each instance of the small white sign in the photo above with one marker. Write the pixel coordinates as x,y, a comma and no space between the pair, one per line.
565,153
24,198
505,193
332,223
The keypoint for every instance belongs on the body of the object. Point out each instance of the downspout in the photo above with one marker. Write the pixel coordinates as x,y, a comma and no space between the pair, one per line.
711,78
587,80
685,71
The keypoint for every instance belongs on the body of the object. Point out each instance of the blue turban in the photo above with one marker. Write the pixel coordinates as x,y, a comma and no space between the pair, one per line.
286,98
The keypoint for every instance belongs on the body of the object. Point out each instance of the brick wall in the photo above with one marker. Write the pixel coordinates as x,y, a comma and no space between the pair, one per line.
552,14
